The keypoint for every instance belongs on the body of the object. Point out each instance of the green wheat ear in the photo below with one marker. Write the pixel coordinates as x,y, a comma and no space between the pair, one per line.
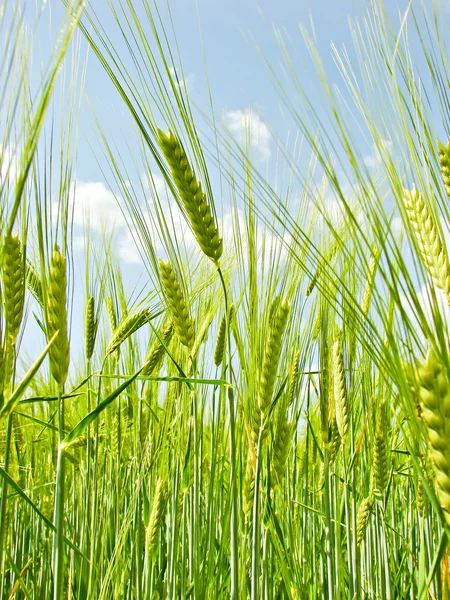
271,359
444,159
194,199
157,349
57,317
339,388
431,247
13,285
90,327
157,515
434,394
182,322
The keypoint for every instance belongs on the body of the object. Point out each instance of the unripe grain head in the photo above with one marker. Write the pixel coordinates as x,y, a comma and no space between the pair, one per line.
57,317
194,199
182,322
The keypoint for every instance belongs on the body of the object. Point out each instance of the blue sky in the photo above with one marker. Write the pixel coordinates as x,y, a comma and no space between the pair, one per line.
235,71
239,84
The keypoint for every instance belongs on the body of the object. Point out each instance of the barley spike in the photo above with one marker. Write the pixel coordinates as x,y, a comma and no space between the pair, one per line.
57,317
194,199
444,159
339,388
182,322
220,343
432,249
434,393
157,515
13,285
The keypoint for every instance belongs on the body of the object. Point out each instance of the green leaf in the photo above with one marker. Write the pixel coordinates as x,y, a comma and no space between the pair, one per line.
33,506
20,389
90,417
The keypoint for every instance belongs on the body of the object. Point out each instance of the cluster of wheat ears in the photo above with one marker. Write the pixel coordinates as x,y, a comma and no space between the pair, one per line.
268,415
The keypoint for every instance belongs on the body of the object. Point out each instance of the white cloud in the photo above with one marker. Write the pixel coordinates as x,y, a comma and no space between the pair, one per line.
381,150
249,130
9,164
96,205
184,84
127,248
268,244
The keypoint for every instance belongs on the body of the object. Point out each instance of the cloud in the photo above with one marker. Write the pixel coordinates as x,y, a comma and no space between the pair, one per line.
95,205
268,244
185,84
127,248
380,151
249,130
9,164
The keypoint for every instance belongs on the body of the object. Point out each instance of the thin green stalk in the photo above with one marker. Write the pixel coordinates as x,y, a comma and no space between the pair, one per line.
234,526
58,515
256,527
4,495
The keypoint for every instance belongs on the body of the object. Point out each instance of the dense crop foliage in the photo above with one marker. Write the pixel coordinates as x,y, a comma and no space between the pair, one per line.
270,417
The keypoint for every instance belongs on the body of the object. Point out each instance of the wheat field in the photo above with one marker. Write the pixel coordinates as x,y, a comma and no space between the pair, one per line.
265,414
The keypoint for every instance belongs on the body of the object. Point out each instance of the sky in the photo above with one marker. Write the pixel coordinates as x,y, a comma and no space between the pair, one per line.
221,34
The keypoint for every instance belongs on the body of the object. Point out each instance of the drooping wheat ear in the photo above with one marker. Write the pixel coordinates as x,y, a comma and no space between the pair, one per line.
13,285
182,322
90,327
340,388
112,317
367,296
381,451
249,488
59,352
156,350
157,515
34,284
362,519
434,393
444,159
432,249
220,343
194,199
129,325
